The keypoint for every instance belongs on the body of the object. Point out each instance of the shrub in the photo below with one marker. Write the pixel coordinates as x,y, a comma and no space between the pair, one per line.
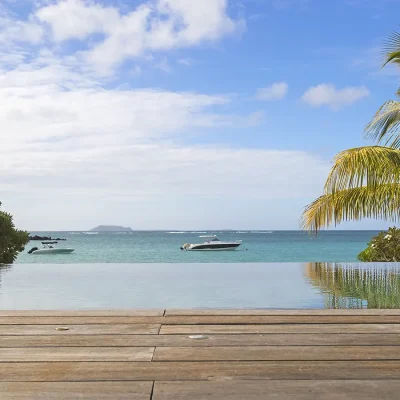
383,248
12,240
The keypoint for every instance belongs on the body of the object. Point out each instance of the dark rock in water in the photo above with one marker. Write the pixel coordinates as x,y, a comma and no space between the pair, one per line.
37,237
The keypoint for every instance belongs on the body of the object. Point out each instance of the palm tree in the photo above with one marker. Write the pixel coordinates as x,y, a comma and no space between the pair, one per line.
364,182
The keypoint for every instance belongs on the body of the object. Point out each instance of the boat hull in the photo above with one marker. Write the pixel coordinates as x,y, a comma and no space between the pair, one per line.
227,249
206,247
53,251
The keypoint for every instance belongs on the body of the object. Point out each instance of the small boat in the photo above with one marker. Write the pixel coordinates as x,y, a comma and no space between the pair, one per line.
49,249
212,244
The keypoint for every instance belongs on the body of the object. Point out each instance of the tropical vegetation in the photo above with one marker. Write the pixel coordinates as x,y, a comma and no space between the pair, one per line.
364,182
384,247
12,240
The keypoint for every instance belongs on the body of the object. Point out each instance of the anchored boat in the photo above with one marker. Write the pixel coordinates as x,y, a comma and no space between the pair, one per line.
212,244
49,249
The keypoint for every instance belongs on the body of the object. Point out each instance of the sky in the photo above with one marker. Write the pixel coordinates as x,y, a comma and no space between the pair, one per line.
183,114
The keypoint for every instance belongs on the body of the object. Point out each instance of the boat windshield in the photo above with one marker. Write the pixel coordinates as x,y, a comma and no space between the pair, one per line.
212,238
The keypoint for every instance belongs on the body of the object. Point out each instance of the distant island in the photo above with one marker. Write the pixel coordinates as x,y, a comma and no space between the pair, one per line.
110,228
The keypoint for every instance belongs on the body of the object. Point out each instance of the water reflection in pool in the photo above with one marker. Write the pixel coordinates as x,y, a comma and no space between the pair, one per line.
357,285
251,285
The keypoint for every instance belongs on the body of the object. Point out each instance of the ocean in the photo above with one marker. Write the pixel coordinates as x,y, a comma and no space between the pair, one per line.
163,247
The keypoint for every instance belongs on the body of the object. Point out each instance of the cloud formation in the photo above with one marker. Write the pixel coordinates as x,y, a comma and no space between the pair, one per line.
327,95
160,25
277,91
78,146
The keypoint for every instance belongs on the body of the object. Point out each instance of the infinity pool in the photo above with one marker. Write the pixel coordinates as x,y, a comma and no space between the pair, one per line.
252,285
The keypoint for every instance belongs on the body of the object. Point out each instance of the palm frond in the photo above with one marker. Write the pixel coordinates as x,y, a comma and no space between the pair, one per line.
353,204
392,49
371,166
385,125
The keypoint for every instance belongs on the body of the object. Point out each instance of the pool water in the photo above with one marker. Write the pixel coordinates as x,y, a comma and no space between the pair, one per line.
213,285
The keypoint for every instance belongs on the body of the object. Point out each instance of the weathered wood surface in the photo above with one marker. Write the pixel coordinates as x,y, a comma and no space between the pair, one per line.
201,320
284,328
75,390
175,371
77,354
149,354
277,353
288,339
92,329
277,390
84,313
188,312
240,312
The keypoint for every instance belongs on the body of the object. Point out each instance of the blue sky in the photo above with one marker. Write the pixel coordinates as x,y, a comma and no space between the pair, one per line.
175,114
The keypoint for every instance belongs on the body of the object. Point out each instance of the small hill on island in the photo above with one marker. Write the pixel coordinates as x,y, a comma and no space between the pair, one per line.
111,228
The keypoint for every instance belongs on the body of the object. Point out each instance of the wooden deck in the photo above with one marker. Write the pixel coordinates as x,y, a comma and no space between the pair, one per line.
244,354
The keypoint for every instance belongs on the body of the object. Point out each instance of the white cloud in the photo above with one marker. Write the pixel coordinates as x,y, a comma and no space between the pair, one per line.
76,145
153,26
256,118
164,66
77,19
185,61
19,31
327,95
277,91
65,149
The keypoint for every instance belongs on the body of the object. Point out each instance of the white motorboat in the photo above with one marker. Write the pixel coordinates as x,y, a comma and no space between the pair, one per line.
212,243
49,249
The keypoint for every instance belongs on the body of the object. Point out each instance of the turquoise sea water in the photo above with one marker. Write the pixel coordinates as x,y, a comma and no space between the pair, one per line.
163,247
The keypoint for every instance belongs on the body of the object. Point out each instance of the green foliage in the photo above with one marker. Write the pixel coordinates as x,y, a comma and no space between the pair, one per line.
383,248
12,240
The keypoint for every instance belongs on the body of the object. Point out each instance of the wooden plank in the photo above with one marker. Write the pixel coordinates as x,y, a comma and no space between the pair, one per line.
282,390
83,313
102,329
173,371
79,320
278,319
277,353
205,319
76,390
288,328
287,339
76,354
194,311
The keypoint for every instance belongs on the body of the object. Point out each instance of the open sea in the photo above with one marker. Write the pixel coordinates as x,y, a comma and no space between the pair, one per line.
163,247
